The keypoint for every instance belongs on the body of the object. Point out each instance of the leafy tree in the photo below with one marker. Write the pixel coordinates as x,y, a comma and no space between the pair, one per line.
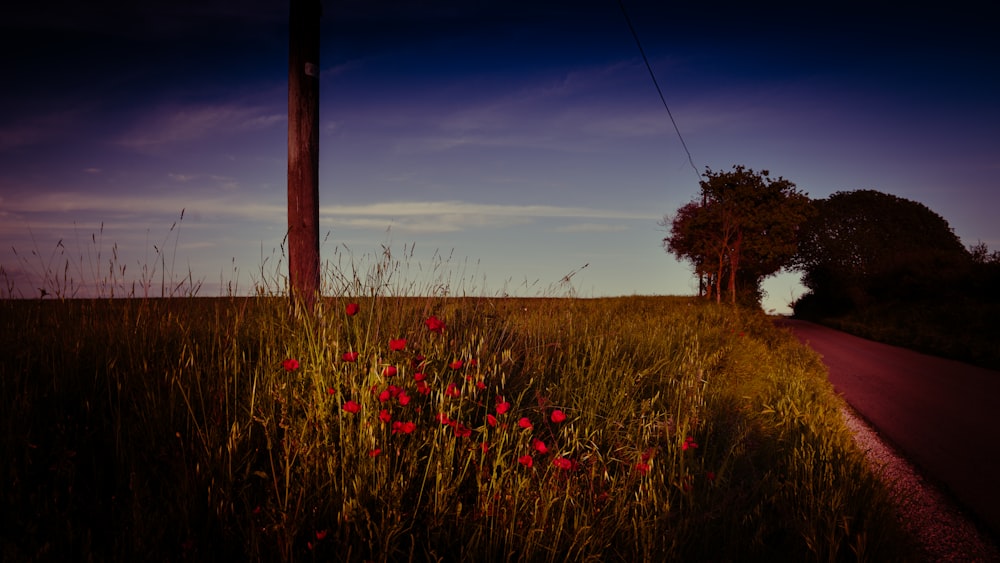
864,246
743,229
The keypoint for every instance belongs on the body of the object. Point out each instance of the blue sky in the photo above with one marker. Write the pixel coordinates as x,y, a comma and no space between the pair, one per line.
523,139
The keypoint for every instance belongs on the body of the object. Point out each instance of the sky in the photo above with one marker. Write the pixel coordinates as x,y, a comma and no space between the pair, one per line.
520,147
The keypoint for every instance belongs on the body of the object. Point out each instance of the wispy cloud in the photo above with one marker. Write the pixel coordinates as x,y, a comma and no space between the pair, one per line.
407,216
37,128
590,228
181,124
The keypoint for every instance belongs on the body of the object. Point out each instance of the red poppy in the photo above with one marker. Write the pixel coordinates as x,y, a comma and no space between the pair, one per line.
291,364
384,396
375,452
389,371
435,324
397,344
457,364
491,420
403,427
350,357
352,309
351,407
452,391
384,416
642,467
423,388
564,464
558,416
419,376
462,431
330,390
320,534
404,399
443,418
480,385
526,460
689,443
502,407
539,446
525,423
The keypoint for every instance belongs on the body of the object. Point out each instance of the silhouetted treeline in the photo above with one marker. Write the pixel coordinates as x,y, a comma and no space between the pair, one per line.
893,270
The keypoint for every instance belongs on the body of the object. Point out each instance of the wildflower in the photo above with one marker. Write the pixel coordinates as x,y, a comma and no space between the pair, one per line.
419,376
526,460
389,371
689,443
642,467
397,344
320,534
350,357
384,416
352,309
491,420
452,391
502,406
403,399
564,464
423,388
539,446
525,423
330,391
558,416
375,452
351,407
291,364
480,384
457,364
443,418
384,396
435,324
462,431
403,427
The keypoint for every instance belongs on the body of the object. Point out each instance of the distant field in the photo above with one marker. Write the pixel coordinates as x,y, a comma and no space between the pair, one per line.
424,428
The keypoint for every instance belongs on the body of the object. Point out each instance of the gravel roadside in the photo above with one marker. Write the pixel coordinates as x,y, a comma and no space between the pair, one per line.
942,529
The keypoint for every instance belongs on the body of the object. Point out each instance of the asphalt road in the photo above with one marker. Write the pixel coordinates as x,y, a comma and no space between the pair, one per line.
942,414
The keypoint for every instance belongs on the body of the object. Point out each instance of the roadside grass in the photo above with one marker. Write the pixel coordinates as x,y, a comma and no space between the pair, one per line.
410,420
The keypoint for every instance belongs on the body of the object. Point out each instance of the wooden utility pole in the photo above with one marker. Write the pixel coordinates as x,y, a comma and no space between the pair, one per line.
303,151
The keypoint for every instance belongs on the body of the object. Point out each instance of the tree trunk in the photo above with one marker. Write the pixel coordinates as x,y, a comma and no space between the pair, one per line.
734,262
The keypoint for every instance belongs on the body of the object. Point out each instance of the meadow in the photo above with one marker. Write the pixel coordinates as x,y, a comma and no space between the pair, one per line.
402,422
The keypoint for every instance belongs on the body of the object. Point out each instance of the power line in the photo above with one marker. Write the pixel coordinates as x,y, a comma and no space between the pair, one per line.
649,67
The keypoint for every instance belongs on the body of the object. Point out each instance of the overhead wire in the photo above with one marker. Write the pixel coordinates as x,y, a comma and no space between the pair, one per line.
659,91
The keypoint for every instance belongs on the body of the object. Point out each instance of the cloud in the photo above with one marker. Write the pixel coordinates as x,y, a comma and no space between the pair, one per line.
36,129
590,228
408,216
182,124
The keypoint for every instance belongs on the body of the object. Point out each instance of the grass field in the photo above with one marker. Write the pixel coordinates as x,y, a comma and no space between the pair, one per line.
400,423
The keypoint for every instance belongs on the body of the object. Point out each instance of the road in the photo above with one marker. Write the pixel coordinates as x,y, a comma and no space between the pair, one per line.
942,414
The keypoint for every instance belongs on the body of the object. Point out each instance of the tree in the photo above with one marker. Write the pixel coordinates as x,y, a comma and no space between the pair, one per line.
743,229
864,246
